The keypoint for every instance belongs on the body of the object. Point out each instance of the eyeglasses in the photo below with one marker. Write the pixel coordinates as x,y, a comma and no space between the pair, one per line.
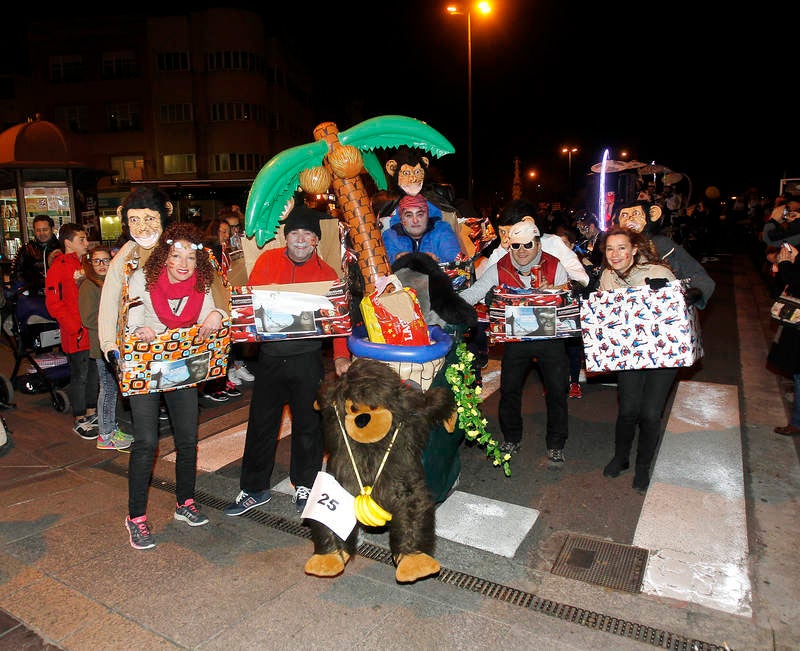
527,245
98,261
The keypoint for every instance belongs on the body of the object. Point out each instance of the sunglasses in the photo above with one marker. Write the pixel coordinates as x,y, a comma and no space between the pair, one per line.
527,245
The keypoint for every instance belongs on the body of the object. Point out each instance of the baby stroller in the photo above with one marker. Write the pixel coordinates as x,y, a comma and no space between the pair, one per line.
34,337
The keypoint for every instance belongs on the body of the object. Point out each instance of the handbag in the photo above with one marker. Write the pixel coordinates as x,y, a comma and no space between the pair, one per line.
786,309
394,317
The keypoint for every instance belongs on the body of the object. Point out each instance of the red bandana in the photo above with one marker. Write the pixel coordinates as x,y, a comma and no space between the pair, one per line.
164,290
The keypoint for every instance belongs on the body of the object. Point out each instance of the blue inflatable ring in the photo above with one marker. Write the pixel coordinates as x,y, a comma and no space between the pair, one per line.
361,346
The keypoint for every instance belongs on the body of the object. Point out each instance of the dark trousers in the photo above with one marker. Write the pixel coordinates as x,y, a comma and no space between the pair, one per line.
183,412
642,397
554,366
280,381
84,383
574,346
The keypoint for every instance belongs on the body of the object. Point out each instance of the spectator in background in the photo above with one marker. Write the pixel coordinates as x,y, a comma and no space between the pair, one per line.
219,236
783,224
109,435
784,355
61,297
32,260
574,345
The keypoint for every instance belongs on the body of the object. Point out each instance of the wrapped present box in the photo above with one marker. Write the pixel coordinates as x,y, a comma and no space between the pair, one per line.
638,327
176,359
296,311
528,314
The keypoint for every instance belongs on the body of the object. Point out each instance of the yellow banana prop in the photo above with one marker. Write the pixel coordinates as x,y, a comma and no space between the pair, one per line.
368,511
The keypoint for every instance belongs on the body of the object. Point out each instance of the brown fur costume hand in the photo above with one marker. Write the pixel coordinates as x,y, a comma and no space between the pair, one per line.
372,401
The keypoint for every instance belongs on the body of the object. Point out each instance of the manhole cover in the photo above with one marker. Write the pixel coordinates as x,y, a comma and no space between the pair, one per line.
602,562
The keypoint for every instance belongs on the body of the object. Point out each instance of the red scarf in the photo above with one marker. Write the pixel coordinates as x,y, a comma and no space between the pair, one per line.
164,290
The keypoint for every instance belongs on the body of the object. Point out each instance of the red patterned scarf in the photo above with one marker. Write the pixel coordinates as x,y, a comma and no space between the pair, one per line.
164,290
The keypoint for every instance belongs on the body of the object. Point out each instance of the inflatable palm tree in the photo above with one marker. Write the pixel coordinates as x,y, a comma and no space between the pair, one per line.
336,159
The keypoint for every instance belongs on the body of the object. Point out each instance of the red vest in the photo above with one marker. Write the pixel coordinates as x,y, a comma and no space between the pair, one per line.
508,275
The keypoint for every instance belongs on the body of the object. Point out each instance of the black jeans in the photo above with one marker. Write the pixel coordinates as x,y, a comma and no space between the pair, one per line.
84,383
292,380
554,365
183,412
642,397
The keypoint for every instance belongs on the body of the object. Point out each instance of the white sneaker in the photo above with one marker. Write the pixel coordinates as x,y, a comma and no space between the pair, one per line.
244,374
233,376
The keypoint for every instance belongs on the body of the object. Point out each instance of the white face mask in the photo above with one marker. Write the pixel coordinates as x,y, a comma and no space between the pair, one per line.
148,241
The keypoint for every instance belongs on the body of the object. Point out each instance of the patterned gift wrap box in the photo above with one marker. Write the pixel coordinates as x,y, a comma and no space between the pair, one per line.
530,314
638,327
176,359
299,311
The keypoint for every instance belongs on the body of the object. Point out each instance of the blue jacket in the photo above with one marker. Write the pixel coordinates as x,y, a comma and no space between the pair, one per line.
439,239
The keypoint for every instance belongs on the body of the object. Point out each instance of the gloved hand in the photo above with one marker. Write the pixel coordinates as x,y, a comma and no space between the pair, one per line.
656,283
692,295
487,300
112,357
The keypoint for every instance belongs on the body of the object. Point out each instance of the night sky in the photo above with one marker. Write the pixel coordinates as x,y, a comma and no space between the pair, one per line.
712,97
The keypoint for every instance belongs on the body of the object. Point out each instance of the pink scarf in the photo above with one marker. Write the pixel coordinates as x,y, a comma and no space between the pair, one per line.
163,290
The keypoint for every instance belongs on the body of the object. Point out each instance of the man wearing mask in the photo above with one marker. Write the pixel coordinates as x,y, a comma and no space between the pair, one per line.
515,270
144,212
289,372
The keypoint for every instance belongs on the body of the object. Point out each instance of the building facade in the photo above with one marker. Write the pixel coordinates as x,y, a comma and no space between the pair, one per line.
196,103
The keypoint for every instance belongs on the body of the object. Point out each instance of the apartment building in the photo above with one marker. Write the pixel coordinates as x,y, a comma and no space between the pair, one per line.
195,102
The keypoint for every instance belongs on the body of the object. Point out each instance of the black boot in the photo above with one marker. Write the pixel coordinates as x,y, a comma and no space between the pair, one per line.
641,479
615,467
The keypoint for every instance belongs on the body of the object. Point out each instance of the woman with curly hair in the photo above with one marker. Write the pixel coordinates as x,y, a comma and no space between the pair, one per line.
631,261
174,287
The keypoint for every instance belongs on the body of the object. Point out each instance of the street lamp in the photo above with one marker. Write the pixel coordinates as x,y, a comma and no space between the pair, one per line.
466,10
569,150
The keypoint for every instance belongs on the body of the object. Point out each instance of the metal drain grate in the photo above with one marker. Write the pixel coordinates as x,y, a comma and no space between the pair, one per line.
601,562
572,614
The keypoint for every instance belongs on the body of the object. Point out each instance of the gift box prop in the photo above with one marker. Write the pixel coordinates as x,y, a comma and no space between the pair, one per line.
179,357
517,314
302,310
639,327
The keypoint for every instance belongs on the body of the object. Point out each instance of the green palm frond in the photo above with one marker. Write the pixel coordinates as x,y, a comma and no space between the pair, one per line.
387,131
375,169
275,185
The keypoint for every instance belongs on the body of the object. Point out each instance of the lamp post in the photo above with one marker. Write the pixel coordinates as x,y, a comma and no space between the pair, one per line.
466,10
569,150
